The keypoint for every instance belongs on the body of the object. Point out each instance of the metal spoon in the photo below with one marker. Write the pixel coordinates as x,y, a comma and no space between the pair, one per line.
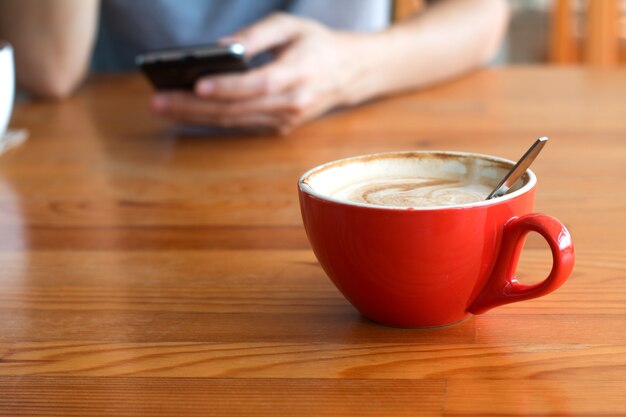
519,168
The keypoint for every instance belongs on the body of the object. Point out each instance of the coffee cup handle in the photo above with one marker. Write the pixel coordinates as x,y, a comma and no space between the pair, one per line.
502,287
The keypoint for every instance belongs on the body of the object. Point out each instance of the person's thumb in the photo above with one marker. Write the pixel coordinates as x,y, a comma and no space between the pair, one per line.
270,32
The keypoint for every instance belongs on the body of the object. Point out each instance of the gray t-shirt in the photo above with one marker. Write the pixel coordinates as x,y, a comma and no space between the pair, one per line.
128,27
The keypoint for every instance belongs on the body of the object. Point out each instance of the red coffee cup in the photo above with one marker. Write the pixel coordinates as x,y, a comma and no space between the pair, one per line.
427,266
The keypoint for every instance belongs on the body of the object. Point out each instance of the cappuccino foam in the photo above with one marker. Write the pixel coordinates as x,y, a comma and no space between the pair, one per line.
413,192
410,179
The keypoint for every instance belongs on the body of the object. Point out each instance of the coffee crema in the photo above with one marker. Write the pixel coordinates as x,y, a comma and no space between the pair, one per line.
413,192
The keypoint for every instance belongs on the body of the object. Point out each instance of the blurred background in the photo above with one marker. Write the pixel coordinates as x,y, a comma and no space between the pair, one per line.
570,31
588,32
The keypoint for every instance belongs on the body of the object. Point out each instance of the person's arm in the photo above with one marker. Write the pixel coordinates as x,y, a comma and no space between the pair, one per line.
318,68
449,39
52,41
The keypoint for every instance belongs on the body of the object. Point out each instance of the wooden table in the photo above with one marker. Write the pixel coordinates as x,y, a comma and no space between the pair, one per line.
147,270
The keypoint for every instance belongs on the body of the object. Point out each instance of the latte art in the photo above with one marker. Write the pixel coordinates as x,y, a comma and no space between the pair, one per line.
413,192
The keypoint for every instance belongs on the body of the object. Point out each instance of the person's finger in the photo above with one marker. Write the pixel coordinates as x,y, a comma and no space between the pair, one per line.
270,79
275,30
186,107
289,102
248,121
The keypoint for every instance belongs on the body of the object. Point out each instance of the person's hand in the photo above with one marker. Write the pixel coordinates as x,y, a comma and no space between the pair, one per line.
314,70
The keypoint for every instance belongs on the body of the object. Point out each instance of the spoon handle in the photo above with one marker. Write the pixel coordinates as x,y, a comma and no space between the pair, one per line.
519,168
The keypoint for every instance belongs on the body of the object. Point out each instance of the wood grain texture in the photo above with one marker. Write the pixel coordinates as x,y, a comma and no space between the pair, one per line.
48,396
318,360
147,269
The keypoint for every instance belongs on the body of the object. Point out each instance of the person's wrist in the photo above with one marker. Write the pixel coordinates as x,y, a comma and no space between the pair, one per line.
368,56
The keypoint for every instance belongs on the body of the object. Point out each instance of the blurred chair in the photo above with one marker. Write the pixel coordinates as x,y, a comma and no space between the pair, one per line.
600,41
404,8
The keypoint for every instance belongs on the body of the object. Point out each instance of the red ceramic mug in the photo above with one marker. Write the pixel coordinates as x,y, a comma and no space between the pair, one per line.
427,266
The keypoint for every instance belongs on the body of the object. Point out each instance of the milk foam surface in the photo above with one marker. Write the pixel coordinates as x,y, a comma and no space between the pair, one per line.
413,192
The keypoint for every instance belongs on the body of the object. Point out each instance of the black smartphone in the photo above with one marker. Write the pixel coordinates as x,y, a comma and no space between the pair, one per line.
179,68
